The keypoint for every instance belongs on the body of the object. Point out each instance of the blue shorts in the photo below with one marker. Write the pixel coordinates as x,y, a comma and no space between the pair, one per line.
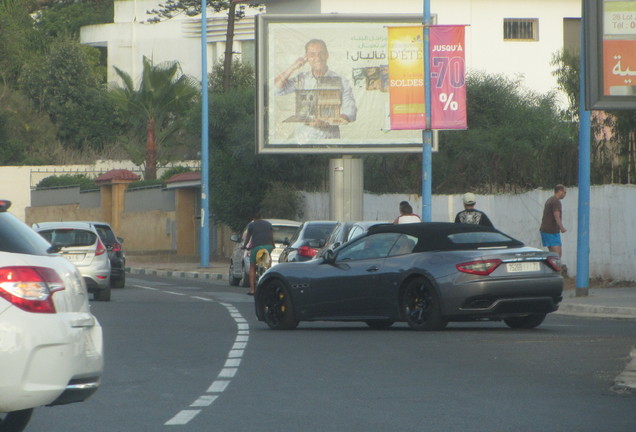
255,250
549,240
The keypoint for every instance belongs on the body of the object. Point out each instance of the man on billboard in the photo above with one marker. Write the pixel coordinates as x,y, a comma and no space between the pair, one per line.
324,99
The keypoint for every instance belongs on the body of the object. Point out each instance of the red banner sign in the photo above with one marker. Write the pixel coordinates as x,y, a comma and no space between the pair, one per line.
448,77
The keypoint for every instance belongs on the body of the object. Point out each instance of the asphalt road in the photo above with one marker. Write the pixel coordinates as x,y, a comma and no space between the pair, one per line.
187,355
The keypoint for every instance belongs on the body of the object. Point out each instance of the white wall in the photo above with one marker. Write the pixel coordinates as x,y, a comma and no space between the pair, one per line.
612,223
16,182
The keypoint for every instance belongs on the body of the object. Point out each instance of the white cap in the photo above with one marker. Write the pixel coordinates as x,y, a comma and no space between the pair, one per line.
469,198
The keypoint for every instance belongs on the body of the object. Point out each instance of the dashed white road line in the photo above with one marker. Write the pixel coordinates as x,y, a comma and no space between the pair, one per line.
230,368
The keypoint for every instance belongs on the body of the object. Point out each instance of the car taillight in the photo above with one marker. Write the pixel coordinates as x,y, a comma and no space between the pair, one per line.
482,267
30,288
554,262
100,249
116,247
307,251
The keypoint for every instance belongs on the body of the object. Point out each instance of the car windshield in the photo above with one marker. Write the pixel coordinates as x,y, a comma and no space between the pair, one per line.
318,231
370,247
16,237
283,232
69,237
106,234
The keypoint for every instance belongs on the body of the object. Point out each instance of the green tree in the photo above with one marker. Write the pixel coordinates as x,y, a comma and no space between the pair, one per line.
66,17
18,39
66,83
171,8
160,103
516,140
613,157
27,136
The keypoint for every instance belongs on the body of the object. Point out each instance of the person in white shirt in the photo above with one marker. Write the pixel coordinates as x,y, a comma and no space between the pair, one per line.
406,214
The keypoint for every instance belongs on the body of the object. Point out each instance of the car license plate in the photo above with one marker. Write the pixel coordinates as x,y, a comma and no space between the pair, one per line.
519,267
74,258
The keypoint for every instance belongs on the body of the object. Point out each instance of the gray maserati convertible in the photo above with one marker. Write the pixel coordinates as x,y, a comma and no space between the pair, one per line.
424,274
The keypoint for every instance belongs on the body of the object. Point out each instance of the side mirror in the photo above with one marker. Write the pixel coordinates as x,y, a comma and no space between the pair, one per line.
120,240
235,238
329,256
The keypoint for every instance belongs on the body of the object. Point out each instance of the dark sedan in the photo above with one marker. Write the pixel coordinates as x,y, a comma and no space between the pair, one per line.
426,274
307,241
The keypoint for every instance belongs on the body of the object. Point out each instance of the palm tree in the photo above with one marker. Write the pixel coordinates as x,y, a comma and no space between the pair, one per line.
164,95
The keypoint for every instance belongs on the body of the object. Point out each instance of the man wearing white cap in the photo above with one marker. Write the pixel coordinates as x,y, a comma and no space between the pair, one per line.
470,215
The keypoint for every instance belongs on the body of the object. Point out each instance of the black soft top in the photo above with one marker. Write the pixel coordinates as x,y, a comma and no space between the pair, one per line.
434,236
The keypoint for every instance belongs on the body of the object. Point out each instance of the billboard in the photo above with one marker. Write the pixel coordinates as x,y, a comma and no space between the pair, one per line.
323,85
610,57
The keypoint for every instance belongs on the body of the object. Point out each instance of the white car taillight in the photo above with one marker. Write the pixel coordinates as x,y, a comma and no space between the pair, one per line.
30,288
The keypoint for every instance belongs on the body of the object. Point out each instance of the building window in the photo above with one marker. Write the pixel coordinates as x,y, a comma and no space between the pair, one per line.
521,29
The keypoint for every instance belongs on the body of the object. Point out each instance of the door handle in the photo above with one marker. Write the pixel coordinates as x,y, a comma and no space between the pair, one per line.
373,269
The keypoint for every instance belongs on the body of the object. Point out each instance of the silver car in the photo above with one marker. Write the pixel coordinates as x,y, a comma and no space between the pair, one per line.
284,229
80,243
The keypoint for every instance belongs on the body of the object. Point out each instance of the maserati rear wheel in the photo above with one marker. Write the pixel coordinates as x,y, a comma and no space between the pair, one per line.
421,307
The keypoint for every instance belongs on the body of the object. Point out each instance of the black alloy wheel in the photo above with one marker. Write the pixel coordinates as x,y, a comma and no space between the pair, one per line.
15,421
277,308
421,307
525,322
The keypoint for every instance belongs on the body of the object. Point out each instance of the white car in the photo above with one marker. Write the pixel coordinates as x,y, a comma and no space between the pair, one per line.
284,229
51,349
81,244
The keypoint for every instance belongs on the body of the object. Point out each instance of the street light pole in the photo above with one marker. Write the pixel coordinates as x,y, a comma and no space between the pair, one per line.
204,240
427,134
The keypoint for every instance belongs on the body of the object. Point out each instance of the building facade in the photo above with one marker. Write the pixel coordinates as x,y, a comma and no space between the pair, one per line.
516,38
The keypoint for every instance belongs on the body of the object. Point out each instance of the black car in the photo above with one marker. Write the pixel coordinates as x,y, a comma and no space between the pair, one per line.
425,274
116,253
307,241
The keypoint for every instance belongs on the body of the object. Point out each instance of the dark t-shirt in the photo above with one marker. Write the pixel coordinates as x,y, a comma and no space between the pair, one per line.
261,232
472,216
549,224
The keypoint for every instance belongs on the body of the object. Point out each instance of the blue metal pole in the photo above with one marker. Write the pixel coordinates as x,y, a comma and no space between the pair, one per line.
427,134
205,219
583,234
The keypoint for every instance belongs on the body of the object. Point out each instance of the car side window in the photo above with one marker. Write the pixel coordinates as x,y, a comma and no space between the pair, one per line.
404,245
369,247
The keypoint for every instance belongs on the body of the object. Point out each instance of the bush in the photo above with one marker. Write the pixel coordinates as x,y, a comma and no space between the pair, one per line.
67,180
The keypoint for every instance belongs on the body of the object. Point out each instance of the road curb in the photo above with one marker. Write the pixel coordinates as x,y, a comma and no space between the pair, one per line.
618,312
176,273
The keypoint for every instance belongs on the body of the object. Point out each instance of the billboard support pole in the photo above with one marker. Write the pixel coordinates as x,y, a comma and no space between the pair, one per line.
204,241
427,134
583,229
